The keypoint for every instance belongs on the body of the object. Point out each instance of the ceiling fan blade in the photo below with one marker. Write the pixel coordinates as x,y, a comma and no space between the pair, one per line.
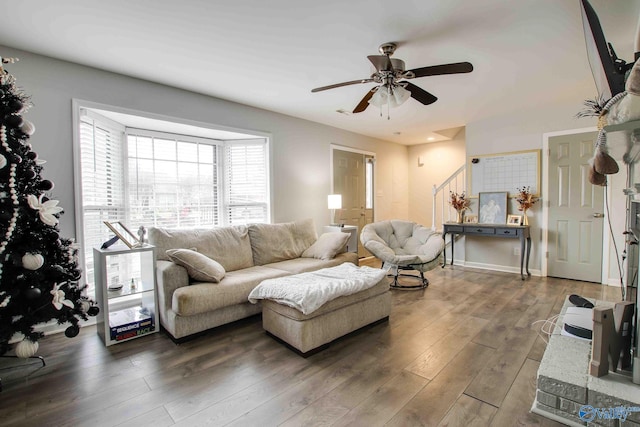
381,62
364,103
420,94
353,82
436,70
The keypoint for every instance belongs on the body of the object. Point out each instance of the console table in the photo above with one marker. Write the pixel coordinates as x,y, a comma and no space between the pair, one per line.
491,230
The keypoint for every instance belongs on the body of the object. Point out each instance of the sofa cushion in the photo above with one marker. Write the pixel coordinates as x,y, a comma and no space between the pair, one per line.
327,246
199,267
302,265
279,242
202,297
230,246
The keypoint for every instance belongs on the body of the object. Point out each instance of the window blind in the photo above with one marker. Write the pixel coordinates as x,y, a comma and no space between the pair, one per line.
101,168
246,181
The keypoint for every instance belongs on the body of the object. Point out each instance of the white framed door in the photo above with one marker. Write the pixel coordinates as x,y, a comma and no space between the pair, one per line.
574,209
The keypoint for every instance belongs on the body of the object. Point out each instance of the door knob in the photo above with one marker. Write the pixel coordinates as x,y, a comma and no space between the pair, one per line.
598,215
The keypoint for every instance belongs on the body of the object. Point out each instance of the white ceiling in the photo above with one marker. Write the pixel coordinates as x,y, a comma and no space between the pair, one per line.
270,54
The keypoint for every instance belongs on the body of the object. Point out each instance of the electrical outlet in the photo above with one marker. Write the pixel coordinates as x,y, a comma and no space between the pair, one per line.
516,251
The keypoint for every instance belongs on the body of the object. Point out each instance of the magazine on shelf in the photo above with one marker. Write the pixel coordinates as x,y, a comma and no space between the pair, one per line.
130,322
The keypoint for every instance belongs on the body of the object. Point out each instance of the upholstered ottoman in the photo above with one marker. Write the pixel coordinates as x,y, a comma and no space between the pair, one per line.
312,332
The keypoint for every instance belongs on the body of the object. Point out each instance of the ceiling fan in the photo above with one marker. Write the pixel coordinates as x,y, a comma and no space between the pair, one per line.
393,88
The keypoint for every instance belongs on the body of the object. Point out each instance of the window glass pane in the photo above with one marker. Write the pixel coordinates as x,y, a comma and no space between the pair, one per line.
144,147
187,152
206,153
165,172
369,185
164,149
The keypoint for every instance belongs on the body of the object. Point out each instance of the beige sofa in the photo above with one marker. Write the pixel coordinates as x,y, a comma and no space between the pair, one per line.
243,256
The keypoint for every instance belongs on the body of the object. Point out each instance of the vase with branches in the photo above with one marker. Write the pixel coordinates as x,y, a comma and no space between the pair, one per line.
460,203
525,200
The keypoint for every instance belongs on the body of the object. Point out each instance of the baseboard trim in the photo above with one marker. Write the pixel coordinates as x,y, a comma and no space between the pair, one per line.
494,267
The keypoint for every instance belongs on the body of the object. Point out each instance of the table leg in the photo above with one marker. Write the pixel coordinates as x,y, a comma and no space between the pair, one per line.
444,250
522,249
453,239
528,253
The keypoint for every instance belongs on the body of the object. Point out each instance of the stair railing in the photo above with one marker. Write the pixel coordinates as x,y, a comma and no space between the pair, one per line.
441,210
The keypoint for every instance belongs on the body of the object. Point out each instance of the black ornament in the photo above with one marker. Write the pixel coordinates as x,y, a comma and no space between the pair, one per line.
32,155
93,310
46,185
15,105
57,268
76,275
13,120
72,331
32,293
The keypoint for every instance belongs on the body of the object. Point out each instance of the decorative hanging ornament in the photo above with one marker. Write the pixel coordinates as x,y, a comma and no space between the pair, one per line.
46,209
13,120
32,293
93,311
85,306
15,105
27,128
59,298
3,161
32,261
72,331
26,348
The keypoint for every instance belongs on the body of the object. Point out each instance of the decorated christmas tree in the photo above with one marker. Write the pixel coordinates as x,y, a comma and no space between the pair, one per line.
39,271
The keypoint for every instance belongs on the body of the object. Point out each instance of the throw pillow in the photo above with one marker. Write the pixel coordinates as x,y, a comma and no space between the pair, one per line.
327,246
199,267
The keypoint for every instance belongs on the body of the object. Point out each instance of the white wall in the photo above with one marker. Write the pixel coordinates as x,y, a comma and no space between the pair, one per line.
300,148
519,130
440,160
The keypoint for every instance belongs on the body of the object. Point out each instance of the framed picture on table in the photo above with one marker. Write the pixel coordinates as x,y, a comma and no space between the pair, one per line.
123,233
514,219
492,207
471,219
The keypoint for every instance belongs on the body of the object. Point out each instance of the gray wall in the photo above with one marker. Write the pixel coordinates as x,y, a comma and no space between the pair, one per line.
300,148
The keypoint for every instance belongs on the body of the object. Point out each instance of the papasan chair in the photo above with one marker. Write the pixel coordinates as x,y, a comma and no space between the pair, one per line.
404,245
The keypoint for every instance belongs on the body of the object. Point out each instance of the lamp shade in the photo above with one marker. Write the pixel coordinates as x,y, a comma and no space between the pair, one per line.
334,201
394,97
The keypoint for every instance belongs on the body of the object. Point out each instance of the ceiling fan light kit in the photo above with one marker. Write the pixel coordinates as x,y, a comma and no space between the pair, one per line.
392,88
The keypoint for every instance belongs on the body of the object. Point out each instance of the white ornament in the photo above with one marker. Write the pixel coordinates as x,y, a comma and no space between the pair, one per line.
85,306
27,127
46,209
32,261
3,161
26,348
59,298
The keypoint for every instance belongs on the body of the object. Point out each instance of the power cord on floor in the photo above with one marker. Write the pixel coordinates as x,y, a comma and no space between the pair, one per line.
619,260
548,325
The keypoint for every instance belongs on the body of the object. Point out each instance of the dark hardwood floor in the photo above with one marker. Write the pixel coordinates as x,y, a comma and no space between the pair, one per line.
463,352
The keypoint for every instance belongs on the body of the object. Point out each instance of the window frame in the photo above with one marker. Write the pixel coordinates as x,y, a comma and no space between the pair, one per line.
202,129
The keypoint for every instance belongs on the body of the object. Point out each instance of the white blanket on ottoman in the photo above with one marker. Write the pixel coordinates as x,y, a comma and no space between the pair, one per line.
307,292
